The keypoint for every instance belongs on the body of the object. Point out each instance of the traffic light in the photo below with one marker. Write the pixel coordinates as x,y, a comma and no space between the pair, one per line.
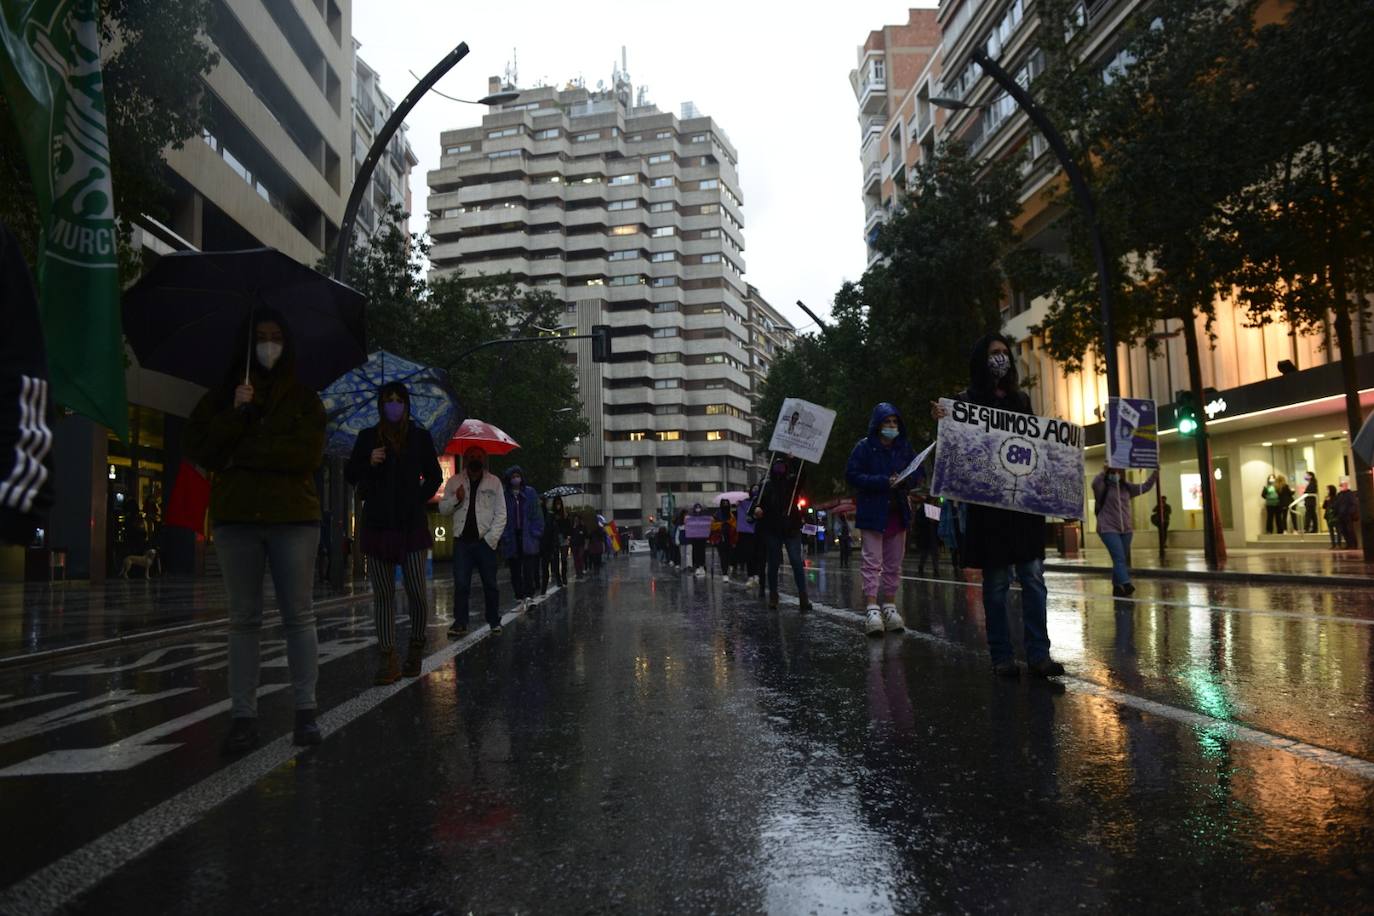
601,343
1185,413
801,502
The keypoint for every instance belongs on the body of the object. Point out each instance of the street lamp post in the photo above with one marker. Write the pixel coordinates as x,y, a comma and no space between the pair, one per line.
1081,192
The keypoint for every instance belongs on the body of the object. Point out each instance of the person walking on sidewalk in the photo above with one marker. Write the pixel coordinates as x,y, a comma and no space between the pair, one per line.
724,535
746,552
846,536
578,542
698,545
882,513
1333,524
1347,506
596,543
1115,526
1001,542
1310,494
262,434
520,544
395,471
1162,524
778,518
476,503
564,523
548,549
1273,515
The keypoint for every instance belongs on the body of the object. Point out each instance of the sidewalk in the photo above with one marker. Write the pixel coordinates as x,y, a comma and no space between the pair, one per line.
1256,566
41,619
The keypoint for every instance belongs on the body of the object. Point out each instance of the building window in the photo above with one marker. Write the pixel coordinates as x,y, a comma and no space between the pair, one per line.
624,255
596,281
547,134
662,282
622,205
660,157
664,207
714,435
660,256
455,150
661,232
699,138
624,230
664,358
504,132
634,437
574,463
571,307
585,138
666,332
663,135
710,259
626,462
630,280
669,435
625,179
709,208
667,410
505,154
662,383
661,183
707,184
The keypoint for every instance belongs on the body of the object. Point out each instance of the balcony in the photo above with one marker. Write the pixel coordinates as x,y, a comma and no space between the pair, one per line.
873,96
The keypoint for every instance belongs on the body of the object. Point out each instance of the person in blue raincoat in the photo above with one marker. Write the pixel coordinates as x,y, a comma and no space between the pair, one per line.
882,513
524,531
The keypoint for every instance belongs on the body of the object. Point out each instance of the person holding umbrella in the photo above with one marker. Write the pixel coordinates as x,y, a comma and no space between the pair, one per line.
262,434
477,504
524,530
395,470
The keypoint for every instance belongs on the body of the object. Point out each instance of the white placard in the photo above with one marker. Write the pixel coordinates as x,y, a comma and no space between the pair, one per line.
802,430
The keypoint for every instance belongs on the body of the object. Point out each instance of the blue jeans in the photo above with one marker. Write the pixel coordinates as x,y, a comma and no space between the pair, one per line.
1119,546
245,552
996,583
467,556
794,556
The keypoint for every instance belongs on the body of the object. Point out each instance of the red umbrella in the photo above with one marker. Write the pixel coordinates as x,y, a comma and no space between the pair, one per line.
483,435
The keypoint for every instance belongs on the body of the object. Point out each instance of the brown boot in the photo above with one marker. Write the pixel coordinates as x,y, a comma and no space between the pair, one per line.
415,658
388,668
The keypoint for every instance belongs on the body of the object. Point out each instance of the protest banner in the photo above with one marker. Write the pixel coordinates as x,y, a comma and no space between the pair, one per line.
1132,433
698,527
932,512
915,463
809,530
802,430
1015,461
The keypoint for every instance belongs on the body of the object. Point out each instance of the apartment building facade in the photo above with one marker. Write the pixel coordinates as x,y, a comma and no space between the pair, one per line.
271,168
633,217
1279,407
390,184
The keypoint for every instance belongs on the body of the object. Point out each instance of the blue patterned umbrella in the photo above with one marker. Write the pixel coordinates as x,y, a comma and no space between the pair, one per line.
351,402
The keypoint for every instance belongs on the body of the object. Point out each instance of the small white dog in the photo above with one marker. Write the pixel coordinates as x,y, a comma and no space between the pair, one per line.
149,561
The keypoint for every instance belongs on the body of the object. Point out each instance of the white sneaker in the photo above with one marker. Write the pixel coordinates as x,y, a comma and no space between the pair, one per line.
891,619
873,626
701,572
551,590
725,578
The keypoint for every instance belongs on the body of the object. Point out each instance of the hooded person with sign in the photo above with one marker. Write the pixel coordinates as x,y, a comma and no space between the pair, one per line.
395,470
778,519
882,513
1001,542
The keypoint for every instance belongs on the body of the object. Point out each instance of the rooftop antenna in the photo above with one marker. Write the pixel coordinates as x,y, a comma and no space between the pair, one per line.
513,69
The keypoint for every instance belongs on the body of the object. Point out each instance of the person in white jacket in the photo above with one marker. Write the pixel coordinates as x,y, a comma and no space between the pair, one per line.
476,500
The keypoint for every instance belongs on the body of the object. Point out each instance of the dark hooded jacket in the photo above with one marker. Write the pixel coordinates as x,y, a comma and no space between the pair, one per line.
995,538
396,492
871,465
529,521
263,457
781,515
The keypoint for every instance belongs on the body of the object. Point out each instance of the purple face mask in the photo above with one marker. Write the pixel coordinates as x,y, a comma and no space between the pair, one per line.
393,411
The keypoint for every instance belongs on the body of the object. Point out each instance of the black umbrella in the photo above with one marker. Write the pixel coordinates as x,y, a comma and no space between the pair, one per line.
182,316
567,489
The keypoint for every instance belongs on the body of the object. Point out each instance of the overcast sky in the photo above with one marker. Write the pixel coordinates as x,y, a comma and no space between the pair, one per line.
774,76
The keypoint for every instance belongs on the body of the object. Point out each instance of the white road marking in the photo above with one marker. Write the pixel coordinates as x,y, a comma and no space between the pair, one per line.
84,710
1232,730
38,699
124,754
147,658
57,884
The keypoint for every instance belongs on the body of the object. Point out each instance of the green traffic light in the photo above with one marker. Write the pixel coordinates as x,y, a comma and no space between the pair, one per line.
1187,426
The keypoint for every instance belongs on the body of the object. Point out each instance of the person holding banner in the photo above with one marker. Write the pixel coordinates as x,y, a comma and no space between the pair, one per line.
698,526
779,520
882,513
1001,542
1112,495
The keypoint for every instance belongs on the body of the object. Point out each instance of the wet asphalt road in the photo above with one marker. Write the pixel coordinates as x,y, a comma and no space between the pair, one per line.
656,743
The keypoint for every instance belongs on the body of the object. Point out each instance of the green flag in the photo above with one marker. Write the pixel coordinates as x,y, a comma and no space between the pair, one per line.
50,70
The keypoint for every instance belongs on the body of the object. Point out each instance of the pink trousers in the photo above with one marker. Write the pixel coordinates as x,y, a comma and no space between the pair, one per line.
882,562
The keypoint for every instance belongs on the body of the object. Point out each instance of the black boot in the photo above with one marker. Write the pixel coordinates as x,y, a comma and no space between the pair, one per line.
307,732
242,737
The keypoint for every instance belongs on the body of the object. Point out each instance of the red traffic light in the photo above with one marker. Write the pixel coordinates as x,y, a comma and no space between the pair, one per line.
801,503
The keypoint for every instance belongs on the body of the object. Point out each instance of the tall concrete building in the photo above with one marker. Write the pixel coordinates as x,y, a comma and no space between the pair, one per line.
391,177
634,218
770,335
271,168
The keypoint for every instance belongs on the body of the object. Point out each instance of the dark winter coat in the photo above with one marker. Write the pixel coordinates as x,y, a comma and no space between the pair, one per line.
995,538
781,516
396,492
530,521
871,465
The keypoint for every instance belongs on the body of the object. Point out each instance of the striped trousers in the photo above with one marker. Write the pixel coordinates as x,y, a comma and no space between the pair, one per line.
382,575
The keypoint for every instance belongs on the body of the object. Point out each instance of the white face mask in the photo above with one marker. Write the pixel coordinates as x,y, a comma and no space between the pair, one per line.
268,353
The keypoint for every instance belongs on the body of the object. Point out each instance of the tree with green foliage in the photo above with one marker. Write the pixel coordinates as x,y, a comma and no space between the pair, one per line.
529,389
1305,223
154,55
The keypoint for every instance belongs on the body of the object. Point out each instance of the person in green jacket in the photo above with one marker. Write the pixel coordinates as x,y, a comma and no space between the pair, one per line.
262,436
